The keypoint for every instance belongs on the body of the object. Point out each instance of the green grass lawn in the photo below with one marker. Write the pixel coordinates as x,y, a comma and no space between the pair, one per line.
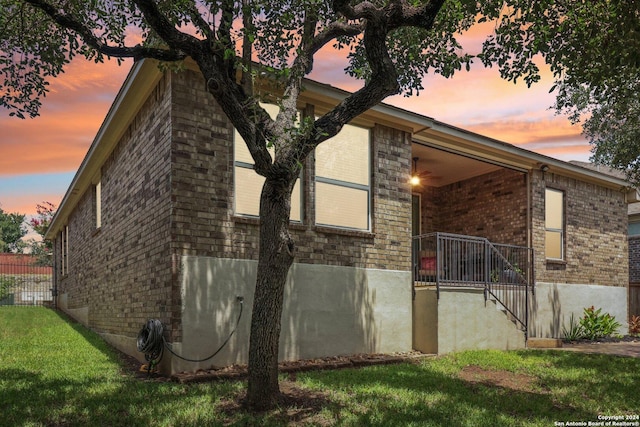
55,372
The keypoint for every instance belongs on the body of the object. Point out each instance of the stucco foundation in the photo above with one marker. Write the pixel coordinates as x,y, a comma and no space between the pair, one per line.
328,310
553,303
461,320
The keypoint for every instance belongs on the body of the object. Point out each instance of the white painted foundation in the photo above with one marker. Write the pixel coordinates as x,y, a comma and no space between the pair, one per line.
553,303
328,310
461,319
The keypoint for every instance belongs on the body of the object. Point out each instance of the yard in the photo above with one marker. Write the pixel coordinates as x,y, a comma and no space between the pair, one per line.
55,372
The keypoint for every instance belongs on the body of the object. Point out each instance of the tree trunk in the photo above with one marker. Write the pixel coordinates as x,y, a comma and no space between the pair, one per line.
275,259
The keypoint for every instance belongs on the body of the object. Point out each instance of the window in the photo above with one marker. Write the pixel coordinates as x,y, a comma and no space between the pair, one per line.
343,179
554,224
248,184
634,228
64,251
98,204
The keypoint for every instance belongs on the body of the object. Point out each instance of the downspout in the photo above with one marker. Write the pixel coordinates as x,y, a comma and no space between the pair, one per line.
532,254
54,277
530,228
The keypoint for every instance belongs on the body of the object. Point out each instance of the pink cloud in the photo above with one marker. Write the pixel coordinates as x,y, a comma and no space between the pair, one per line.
26,203
58,139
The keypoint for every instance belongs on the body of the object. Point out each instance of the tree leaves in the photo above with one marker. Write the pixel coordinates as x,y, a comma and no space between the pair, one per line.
593,45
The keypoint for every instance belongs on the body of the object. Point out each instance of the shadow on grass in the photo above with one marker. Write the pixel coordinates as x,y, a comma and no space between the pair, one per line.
101,394
90,336
609,382
31,399
420,395
569,387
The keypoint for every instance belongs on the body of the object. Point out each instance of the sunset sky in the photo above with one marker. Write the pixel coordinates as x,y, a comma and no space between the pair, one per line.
39,157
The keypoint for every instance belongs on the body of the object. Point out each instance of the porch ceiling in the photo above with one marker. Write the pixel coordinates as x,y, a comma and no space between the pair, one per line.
446,168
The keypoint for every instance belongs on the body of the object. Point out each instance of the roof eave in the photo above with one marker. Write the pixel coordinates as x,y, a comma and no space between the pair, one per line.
140,81
515,156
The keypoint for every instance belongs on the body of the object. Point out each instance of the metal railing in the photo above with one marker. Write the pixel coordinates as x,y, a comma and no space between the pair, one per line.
505,272
25,284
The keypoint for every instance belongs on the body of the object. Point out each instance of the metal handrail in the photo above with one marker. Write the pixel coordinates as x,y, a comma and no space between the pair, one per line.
505,272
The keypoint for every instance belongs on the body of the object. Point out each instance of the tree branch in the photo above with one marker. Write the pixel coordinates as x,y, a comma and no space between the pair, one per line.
175,39
226,24
383,81
91,40
199,22
246,79
405,15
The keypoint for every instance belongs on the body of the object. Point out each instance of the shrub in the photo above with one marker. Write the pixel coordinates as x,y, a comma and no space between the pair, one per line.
597,324
6,285
575,330
634,325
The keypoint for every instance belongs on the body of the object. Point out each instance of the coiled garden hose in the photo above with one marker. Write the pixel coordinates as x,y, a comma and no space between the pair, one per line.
151,341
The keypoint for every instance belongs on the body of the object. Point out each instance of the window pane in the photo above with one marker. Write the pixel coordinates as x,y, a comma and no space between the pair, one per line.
240,150
342,206
99,204
248,187
553,244
247,192
345,157
553,209
296,203
634,228
248,184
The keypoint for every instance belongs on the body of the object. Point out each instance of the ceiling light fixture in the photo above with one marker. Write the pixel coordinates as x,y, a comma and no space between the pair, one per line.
415,178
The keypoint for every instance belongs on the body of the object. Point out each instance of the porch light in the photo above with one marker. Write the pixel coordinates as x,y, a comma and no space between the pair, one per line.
415,178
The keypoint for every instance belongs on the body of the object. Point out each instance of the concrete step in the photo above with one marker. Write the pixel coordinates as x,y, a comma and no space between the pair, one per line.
544,343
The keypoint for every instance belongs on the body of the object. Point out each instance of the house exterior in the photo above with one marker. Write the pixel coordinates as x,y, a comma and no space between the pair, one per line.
160,222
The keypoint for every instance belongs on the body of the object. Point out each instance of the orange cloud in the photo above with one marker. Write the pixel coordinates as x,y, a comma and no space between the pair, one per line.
58,139
26,203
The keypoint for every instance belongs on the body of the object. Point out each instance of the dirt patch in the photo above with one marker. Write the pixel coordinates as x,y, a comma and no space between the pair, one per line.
297,406
518,382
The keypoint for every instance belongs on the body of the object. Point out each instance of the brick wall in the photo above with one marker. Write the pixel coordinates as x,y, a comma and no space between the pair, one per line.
634,259
122,271
493,205
167,190
596,233
202,190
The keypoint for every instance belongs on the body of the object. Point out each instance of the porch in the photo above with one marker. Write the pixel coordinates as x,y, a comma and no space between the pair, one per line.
486,288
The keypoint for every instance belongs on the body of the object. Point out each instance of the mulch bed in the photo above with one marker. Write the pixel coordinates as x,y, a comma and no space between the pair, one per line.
292,367
626,338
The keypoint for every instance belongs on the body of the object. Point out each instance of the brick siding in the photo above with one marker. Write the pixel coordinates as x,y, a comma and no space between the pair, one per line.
167,191
634,259
122,271
493,205
202,190
596,233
